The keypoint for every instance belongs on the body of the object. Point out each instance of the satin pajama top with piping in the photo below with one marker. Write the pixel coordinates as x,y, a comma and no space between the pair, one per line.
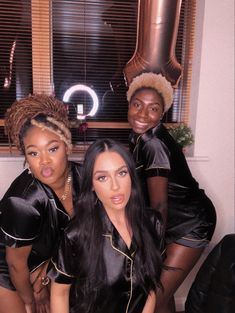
190,211
31,214
122,293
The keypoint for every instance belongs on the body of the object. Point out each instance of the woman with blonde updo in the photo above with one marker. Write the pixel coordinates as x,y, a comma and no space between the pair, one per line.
169,187
38,204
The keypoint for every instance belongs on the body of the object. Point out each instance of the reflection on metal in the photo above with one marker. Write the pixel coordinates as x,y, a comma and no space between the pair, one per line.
91,92
7,80
157,28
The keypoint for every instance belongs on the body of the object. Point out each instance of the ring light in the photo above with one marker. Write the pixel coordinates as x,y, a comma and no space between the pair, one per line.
90,91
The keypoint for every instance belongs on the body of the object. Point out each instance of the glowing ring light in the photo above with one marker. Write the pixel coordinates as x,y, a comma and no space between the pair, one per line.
90,91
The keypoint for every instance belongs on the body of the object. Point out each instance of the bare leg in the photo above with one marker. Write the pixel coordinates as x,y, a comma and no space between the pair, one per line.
10,302
180,257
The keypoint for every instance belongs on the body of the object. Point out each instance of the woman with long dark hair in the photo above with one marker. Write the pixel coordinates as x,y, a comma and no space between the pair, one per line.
111,250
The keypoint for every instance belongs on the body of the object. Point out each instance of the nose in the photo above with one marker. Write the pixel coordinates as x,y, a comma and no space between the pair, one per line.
114,183
44,159
143,112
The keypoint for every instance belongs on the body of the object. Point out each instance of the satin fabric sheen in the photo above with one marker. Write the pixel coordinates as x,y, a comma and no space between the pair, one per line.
31,214
121,293
191,213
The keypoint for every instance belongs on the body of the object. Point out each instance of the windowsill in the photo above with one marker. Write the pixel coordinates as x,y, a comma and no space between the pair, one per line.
16,156
197,158
19,158
7,157
78,155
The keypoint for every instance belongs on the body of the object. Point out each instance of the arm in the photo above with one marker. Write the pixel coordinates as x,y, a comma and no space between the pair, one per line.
158,194
19,272
150,303
59,298
35,298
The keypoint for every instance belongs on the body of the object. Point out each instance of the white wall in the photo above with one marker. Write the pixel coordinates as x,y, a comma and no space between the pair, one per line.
10,167
212,118
215,136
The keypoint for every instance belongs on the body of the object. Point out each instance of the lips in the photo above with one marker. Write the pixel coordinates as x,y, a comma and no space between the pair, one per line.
46,172
117,199
139,126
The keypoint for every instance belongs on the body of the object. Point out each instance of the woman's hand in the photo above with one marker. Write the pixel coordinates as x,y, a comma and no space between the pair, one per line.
41,287
30,308
42,300
38,278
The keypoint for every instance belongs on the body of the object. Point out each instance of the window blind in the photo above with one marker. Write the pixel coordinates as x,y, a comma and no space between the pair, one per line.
49,46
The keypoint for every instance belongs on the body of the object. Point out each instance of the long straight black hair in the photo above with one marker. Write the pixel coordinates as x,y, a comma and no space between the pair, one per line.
88,225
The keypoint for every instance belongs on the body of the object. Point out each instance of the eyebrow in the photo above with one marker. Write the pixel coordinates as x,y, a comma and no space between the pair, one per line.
106,171
158,103
48,144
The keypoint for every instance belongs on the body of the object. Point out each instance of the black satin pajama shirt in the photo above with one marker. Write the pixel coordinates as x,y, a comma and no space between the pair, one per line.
31,214
191,216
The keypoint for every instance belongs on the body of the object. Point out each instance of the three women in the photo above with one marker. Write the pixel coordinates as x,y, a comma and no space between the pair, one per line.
103,252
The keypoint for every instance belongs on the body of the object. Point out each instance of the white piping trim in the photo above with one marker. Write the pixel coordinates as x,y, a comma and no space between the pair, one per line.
131,269
17,237
58,270
54,203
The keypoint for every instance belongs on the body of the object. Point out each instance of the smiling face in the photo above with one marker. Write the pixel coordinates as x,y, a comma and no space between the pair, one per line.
111,181
145,110
47,156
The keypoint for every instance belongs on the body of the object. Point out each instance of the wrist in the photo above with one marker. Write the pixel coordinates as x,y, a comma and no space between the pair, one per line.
27,296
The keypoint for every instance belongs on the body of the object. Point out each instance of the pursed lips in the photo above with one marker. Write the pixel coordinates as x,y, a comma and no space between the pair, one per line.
46,171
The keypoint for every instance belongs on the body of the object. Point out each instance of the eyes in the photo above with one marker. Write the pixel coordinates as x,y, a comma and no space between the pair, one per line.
104,177
35,153
53,149
155,107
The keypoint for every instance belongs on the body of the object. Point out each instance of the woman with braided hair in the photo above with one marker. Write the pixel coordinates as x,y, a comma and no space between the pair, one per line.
38,204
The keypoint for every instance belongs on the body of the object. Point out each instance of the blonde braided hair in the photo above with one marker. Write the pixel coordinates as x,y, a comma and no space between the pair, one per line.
27,109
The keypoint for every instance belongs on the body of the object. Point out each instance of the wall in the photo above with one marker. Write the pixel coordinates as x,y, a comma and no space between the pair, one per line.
215,136
212,118
10,167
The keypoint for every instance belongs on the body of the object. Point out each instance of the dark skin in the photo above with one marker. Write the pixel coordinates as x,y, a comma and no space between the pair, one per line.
47,157
157,188
22,280
146,109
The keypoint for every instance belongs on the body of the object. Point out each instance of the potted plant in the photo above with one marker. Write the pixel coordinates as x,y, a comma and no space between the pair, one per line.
182,134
